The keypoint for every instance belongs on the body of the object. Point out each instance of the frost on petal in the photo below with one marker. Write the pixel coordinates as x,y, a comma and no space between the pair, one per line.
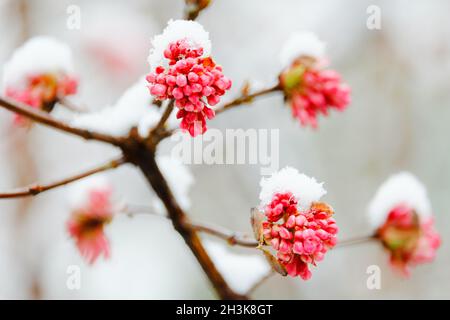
301,44
39,55
400,189
133,109
191,31
240,271
306,190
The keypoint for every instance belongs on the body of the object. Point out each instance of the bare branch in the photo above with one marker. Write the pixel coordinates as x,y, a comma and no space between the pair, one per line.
194,7
37,189
164,117
247,98
231,237
47,120
355,241
71,106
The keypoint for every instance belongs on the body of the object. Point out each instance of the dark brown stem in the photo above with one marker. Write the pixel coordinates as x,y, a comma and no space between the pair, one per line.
231,237
70,105
247,98
47,120
194,7
37,189
164,117
143,156
355,241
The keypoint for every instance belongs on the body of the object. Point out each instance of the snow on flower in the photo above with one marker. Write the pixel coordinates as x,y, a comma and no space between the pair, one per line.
241,271
193,32
309,88
39,73
298,227
182,69
133,109
401,214
305,190
301,44
92,208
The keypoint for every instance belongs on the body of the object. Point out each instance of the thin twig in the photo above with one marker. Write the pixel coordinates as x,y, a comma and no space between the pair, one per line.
247,98
231,237
164,116
70,105
37,189
193,8
45,119
355,241
258,283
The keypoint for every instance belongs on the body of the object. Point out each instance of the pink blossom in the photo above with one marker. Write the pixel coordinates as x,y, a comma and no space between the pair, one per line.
409,240
42,92
300,238
86,224
193,81
312,91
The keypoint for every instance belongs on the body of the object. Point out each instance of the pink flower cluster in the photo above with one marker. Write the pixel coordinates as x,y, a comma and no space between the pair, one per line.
86,225
42,91
409,241
314,93
300,238
190,79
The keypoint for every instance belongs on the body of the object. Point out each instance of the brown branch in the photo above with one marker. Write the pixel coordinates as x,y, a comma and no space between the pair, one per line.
231,237
47,120
194,7
355,241
68,104
247,98
37,189
164,117
143,156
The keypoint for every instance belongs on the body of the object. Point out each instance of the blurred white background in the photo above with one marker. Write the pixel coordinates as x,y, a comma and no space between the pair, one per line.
398,120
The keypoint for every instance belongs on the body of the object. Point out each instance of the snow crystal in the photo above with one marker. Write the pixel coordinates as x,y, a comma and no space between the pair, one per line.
241,271
401,188
38,55
176,30
301,44
305,189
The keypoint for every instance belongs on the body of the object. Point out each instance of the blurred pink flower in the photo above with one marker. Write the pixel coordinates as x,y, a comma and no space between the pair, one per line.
312,91
86,224
42,92
409,239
